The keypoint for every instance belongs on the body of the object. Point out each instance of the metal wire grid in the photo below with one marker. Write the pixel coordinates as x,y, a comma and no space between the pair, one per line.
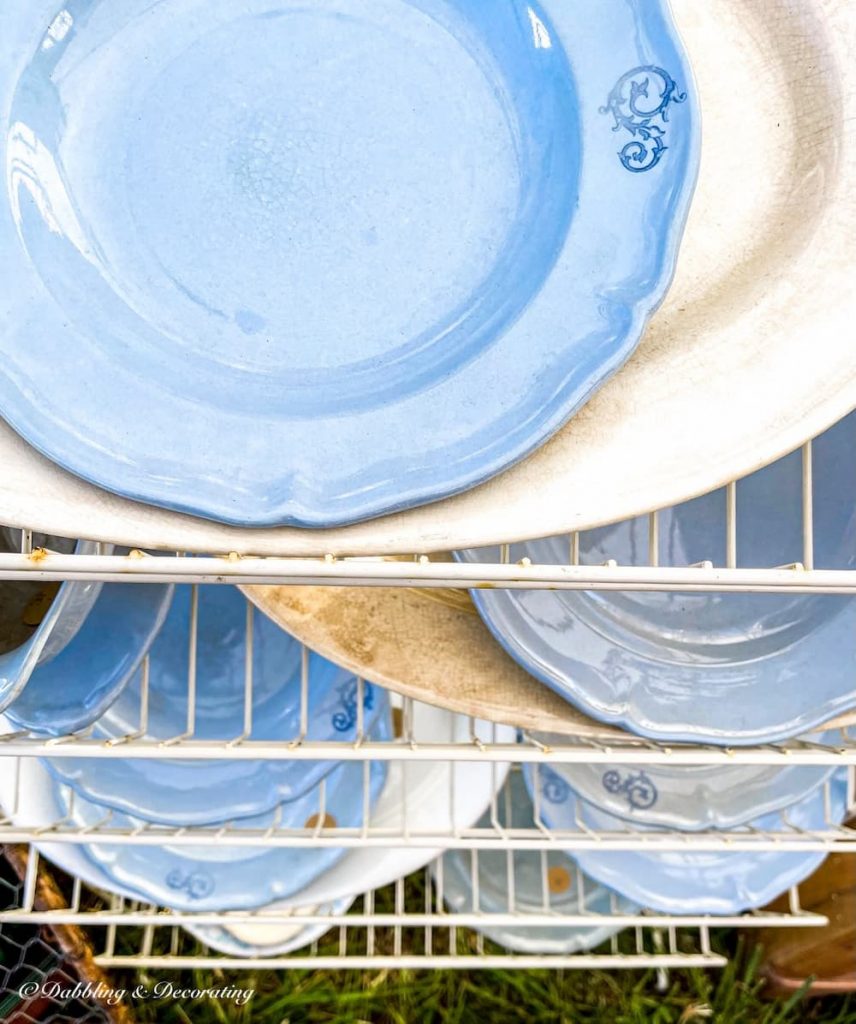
403,925
837,749
399,934
320,831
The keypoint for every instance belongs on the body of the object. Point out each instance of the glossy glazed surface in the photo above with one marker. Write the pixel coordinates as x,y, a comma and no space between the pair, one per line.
292,268
66,612
223,877
180,792
721,668
749,352
569,891
79,683
695,882
417,797
690,797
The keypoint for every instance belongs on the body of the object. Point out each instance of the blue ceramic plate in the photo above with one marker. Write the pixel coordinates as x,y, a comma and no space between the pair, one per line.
717,668
569,892
80,682
65,615
223,877
178,792
692,797
692,882
311,263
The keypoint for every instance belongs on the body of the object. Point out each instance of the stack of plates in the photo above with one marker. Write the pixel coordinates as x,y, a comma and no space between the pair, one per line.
264,796
366,276
262,287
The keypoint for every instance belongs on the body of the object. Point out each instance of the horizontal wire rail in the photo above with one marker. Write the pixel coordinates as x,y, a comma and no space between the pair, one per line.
398,927
799,577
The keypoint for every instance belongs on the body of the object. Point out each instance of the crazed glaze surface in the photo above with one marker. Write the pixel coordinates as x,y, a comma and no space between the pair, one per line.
690,883
721,668
179,792
325,262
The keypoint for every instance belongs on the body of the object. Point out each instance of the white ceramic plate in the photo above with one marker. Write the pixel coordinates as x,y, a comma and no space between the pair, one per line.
269,940
747,358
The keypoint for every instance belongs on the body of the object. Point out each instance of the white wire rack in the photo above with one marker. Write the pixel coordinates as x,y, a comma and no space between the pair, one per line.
403,925
406,925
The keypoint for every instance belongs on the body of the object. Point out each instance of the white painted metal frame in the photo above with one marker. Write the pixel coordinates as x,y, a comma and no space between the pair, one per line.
136,935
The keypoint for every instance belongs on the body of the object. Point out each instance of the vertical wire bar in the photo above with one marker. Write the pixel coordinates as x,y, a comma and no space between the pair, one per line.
673,939
361,713
304,693
148,939
731,525
546,903
429,931
575,548
808,506
322,807
174,940
26,542
452,767
110,937
16,787
367,797
399,914
662,973
407,717
368,910
191,663
474,879
144,696
581,890
248,670
640,940
76,892
28,896
654,539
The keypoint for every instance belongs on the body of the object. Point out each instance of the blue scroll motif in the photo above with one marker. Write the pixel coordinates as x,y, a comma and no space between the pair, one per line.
346,719
553,786
638,788
196,884
640,105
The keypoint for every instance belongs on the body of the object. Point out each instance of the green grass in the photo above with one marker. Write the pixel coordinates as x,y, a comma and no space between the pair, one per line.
733,995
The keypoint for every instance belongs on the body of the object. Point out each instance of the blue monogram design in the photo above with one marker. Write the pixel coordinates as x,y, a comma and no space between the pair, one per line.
346,719
196,884
553,786
638,788
640,105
